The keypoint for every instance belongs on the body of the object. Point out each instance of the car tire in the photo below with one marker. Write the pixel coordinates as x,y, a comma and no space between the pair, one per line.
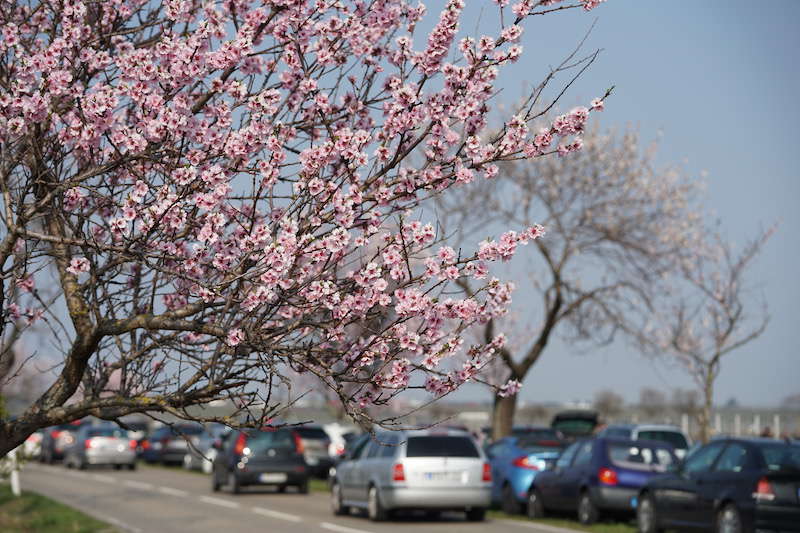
588,513
338,508
729,520
646,516
118,467
476,514
82,465
535,506
510,505
375,510
132,466
215,486
233,483
302,488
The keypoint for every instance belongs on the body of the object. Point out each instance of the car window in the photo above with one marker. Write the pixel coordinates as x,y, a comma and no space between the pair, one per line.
636,457
388,447
584,455
670,437
261,441
358,447
312,433
702,459
733,459
618,432
107,432
566,457
780,456
441,446
369,450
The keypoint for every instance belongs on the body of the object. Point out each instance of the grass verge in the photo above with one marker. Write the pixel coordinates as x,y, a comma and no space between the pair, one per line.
34,512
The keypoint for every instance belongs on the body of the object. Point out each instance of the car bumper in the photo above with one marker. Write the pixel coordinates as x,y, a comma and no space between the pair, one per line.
172,456
439,498
615,498
272,477
110,458
777,517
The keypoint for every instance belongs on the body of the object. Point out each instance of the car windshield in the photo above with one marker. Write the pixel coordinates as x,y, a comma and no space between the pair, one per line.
107,432
311,433
441,446
261,441
670,437
637,457
574,426
187,430
779,456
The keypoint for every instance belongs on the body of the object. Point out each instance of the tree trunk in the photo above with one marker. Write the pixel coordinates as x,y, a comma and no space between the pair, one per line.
503,416
705,411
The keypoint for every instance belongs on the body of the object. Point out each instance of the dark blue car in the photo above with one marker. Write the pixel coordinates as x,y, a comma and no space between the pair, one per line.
600,475
516,460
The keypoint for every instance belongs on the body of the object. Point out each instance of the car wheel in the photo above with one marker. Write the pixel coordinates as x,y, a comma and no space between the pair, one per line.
587,510
302,488
281,489
535,505
476,514
215,486
510,504
375,509
117,467
233,483
729,520
132,466
338,508
646,517
81,465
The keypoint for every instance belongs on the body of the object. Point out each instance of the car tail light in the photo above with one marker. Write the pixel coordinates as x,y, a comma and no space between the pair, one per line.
487,472
145,444
398,474
339,450
764,490
88,443
241,443
607,476
298,443
55,433
133,444
523,462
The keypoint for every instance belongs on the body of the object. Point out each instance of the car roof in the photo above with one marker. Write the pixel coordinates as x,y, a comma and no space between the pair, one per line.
657,427
426,433
635,442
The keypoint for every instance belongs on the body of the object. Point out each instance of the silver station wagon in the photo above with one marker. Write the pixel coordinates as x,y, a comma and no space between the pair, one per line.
432,470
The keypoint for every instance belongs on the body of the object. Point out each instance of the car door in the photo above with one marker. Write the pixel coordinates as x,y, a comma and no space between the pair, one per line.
549,483
574,475
726,480
346,467
678,499
221,461
357,491
497,454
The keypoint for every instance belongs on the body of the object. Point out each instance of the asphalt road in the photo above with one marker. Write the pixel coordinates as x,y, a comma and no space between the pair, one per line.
165,501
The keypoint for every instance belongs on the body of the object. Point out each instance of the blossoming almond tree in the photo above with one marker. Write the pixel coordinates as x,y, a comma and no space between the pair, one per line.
615,224
220,190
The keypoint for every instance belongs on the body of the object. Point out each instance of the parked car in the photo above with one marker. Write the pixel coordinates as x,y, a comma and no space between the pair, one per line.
664,433
728,485
56,439
432,470
101,445
339,434
516,460
599,475
201,455
254,457
316,443
168,444
32,447
575,424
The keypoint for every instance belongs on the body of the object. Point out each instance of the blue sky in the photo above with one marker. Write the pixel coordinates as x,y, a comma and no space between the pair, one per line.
718,81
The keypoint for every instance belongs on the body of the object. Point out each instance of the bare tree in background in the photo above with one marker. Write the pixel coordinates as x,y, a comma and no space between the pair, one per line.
609,404
711,312
652,402
615,225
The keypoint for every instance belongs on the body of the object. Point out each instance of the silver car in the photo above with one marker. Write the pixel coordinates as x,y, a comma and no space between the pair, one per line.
429,470
101,445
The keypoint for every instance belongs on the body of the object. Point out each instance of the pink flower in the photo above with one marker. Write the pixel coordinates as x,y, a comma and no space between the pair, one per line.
597,105
511,388
78,265
26,284
235,336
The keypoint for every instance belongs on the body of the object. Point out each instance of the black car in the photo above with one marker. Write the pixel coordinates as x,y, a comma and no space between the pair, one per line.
168,444
575,424
253,457
730,485
57,439
597,476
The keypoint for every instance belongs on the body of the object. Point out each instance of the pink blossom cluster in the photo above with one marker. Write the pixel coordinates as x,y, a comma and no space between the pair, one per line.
259,167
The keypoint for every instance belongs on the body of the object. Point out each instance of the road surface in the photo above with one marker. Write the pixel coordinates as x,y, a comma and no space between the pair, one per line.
162,500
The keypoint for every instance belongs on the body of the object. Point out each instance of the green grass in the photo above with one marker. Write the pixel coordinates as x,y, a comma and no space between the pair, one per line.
33,512
602,527
318,485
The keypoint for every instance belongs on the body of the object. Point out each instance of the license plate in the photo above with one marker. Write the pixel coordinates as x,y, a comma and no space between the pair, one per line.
313,461
272,478
440,476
